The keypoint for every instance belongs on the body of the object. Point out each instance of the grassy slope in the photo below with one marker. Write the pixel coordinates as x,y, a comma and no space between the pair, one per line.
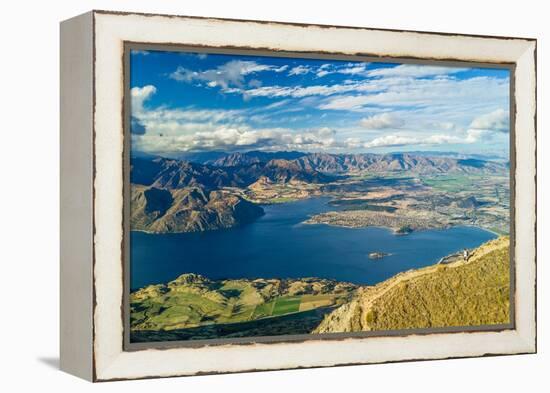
193,301
469,293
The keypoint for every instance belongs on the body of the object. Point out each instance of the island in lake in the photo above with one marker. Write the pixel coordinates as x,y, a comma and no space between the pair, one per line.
278,196
378,255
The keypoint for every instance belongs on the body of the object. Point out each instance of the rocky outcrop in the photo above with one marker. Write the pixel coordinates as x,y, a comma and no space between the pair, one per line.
191,209
365,162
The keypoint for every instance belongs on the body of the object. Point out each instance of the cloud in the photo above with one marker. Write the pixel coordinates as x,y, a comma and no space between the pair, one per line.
231,73
362,94
328,68
234,138
414,71
299,70
391,140
139,52
353,69
345,69
350,103
442,125
435,94
305,91
158,130
160,116
497,121
422,111
139,95
136,127
275,105
382,120
489,125
485,127
406,140
255,83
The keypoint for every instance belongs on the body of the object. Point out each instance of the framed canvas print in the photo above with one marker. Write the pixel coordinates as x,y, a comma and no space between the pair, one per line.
245,195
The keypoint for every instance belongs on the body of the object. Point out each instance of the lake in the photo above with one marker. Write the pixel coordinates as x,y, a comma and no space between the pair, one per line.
278,245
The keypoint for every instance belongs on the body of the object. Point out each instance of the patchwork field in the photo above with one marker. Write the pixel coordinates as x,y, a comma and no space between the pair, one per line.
192,301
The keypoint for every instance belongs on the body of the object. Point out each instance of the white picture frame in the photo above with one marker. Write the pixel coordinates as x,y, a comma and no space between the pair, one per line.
92,184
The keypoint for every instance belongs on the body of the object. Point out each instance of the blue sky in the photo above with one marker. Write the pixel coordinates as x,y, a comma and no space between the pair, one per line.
209,102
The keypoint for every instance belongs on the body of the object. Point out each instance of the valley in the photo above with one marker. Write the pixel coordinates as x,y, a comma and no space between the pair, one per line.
401,191
285,215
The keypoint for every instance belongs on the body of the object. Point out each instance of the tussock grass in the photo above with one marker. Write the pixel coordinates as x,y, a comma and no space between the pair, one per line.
461,294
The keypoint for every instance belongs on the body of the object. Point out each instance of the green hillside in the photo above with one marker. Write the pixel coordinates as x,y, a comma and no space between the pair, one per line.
172,311
472,293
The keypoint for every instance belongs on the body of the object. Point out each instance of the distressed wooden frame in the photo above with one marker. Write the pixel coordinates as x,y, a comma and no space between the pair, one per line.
92,182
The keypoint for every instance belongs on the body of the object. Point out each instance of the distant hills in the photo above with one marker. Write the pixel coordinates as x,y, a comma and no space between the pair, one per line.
173,195
251,157
170,195
328,163
173,174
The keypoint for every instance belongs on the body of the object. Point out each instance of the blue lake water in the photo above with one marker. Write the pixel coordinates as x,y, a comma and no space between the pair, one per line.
277,245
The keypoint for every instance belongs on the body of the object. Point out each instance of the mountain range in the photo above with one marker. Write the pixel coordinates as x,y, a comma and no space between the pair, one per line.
328,163
173,195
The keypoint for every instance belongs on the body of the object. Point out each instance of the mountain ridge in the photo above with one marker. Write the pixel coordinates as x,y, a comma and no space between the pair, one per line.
330,163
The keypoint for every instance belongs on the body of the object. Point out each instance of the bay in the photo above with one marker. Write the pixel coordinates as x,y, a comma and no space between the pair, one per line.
278,245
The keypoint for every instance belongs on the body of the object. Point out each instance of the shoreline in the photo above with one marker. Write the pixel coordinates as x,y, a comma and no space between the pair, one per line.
394,230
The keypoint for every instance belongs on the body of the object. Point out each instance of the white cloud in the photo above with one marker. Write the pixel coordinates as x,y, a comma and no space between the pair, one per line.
414,71
353,69
255,83
394,91
349,103
485,127
443,110
470,136
391,140
231,73
430,93
305,91
498,121
235,137
299,70
406,140
140,52
382,120
166,129
139,95
440,139
328,68
442,125
275,105
159,116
